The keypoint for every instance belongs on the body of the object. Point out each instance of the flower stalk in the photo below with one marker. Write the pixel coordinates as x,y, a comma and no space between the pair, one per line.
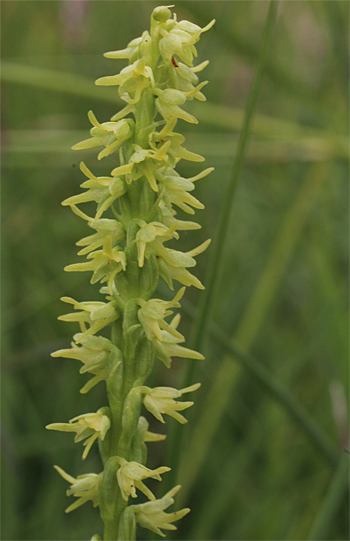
127,253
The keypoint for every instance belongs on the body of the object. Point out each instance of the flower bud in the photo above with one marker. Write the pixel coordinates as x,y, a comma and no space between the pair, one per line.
161,13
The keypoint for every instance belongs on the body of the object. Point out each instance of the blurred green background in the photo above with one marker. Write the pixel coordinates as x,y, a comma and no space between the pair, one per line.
248,469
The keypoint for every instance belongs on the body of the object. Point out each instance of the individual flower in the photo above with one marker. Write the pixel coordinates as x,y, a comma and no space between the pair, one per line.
103,190
105,264
147,235
89,425
146,435
131,80
168,219
84,487
152,314
175,151
146,162
132,48
109,134
167,103
151,515
175,262
170,273
175,188
130,476
104,227
160,400
169,346
94,353
180,40
184,77
96,314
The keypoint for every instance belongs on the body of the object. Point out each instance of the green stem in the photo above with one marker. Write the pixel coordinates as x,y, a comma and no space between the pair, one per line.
122,438
339,486
215,262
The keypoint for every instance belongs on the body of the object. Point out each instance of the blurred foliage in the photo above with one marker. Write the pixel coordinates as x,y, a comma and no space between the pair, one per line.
283,287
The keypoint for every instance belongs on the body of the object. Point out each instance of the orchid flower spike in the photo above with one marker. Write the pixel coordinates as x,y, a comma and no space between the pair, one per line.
131,215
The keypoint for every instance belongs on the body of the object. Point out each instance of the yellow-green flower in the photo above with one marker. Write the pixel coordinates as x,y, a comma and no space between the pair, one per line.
131,80
180,40
175,189
170,273
130,476
89,425
127,252
152,314
132,48
93,352
175,258
151,515
105,264
168,218
169,346
160,400
105,227
148,233
84,487
109,134
102,190
146,162
168,102
184,77
96,314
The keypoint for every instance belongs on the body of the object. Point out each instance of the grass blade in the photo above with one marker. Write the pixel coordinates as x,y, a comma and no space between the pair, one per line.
334,497
68,83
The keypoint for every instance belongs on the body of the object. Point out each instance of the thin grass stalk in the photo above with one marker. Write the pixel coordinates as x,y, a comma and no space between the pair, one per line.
215,263
277,390
337,490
